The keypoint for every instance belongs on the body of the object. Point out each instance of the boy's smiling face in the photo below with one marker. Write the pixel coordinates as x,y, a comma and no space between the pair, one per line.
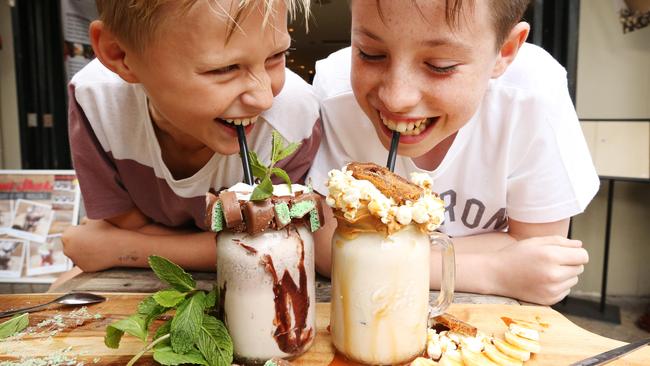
196,81
413,73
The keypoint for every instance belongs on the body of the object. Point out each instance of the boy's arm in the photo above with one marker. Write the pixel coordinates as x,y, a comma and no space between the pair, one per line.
129,239
532,262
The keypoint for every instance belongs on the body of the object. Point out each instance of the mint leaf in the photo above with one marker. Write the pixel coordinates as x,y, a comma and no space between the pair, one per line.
277,144
134,325
151,310
14,325
282,175
187,322
211,298
147,306
171,273
167,356
214,342
113,337
165,328
259,169
288,150
169,297
263,190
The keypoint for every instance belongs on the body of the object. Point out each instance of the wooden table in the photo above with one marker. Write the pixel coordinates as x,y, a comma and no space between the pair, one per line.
130,280
562,341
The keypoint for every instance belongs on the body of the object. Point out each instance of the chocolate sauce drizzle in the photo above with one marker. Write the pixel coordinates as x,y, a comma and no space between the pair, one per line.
249,249
221,307
290,298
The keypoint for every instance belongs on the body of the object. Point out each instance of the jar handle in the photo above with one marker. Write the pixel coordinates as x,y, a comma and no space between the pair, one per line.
446,296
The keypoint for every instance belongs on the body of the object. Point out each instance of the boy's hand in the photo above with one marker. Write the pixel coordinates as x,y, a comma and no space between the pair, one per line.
541,269
88,244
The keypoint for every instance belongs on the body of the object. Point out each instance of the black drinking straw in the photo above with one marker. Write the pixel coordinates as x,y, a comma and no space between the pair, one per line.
243,152
392,154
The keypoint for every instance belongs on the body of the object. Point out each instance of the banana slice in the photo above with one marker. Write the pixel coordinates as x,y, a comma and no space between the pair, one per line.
524,323
510,350
500,358
524,332
523,343
471,344
476,359
451,357
448,362
423,361
434,351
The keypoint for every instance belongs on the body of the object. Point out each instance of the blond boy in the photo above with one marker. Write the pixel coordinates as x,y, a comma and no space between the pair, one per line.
152,121
486,115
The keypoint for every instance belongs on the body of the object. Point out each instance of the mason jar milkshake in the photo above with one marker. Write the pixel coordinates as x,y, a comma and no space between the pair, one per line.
265,270
380,263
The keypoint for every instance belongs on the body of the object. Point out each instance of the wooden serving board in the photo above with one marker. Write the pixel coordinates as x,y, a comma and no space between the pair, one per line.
562,342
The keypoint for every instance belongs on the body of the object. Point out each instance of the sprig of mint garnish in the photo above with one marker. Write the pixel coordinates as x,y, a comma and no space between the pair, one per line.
279,150
191,336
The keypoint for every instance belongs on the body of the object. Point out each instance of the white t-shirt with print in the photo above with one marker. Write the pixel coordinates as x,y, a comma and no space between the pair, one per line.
521,156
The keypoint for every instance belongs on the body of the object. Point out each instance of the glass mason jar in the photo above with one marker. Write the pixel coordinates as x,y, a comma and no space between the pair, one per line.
380,292
268,299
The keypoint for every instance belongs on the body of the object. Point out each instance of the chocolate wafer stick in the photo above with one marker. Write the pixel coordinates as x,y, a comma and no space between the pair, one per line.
243,152
392,154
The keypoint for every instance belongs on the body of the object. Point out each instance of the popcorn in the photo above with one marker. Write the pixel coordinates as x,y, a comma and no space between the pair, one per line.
350,195
423,180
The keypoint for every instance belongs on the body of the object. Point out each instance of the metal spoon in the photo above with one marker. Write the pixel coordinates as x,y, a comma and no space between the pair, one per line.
73,298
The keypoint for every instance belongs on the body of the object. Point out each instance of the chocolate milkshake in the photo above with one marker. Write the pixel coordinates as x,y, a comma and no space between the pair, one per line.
265,269
380,263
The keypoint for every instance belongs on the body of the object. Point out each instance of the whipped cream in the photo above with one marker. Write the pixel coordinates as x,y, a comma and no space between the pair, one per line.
244,190
351,195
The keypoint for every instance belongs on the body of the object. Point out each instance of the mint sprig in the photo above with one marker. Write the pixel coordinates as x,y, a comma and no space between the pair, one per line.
14,325
279,150
191,336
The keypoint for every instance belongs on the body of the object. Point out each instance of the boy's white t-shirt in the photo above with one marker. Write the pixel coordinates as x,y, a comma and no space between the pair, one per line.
521,156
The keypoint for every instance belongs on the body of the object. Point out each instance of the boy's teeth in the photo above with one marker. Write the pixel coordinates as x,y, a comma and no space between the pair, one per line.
411,128
241,121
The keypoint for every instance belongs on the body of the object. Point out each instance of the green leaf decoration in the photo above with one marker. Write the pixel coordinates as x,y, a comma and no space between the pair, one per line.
167,356
169,297
112,337
263,190
259,169
147,306
165,328
283,175
189,337
277,144
279,150
151,310
214,342
171,273
187,322
14,325
211,298
134,325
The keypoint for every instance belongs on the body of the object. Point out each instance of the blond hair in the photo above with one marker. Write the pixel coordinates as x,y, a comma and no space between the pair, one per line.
135,22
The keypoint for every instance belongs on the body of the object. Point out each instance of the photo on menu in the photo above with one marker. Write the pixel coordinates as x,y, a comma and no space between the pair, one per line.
12,257
31,220
5,213
47,257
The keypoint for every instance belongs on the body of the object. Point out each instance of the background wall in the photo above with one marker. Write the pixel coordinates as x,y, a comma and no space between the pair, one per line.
614,82
9,136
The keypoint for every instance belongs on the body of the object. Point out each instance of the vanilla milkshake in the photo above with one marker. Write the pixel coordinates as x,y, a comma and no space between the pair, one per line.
265,270
380,264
